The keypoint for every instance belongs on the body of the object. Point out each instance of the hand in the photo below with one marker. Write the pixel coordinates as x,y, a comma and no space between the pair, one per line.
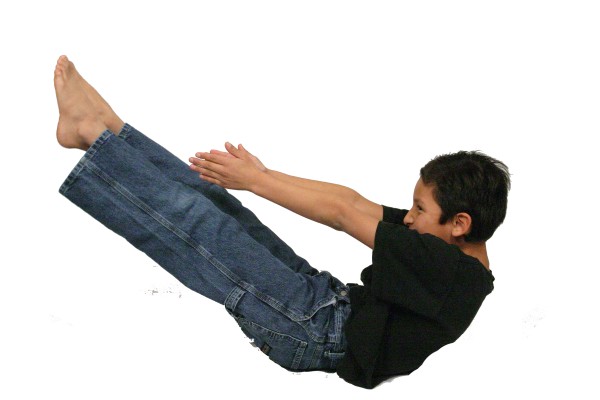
241,153
236,169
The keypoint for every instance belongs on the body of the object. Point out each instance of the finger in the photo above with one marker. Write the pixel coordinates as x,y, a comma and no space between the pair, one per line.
215,158
232,150
244,150
241,147
223,153
198,168
211,180
211,167
200,162
208,173
194,160
205,167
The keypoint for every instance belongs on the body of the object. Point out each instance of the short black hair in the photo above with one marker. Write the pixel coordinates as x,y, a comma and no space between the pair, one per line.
470,182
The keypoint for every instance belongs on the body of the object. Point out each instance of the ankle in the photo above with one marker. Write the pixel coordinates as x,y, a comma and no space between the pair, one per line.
91,130
116,126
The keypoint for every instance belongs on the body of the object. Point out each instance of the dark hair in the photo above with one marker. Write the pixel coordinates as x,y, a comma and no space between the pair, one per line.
470,182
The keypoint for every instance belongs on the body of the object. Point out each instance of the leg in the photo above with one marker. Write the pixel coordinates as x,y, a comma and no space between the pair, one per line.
298,316
184,212
177,170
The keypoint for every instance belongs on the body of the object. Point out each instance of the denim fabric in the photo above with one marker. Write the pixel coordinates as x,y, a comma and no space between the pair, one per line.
204,237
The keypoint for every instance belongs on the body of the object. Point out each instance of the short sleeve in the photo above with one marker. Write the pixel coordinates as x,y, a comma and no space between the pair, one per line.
411,270
394,215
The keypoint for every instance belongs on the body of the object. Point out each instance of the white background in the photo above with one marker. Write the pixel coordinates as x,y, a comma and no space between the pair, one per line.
358,93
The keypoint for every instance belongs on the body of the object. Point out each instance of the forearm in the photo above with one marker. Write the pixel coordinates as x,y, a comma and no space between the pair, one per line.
304,197
345,194
333,205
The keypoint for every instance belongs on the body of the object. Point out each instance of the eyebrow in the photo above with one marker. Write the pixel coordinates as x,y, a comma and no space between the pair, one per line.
419,202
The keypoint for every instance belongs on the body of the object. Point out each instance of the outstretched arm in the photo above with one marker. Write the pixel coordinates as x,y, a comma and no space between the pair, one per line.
349,195
333,205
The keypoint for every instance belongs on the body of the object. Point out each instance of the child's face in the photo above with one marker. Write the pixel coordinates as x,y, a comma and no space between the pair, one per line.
424,216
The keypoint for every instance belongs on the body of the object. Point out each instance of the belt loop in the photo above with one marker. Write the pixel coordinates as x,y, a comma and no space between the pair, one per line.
233,298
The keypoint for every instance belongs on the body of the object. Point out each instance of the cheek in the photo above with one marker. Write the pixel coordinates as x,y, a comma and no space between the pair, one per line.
423,224
420,224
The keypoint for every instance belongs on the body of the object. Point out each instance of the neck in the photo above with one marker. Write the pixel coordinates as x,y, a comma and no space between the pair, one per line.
477,250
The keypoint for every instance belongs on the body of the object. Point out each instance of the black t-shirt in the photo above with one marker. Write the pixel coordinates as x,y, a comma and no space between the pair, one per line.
419,294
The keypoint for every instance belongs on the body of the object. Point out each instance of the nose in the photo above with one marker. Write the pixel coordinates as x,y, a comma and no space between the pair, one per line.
408,218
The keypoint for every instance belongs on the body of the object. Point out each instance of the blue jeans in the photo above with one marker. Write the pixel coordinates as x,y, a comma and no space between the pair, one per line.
204,237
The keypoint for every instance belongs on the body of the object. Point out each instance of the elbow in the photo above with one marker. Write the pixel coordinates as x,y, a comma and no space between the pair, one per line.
336,211
339,215
337,227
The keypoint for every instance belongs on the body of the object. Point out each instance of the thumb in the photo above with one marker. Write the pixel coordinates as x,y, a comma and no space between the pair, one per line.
243,149
232,150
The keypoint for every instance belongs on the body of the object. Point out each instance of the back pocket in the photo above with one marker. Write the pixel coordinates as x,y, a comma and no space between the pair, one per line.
285,350
267,328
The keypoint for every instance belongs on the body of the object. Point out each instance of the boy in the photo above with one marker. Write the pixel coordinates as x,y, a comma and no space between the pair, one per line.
430,269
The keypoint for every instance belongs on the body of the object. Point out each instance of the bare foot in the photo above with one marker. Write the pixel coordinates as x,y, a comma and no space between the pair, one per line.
79,124
101,106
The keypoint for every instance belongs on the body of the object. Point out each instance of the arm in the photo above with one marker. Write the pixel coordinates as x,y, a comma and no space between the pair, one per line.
332,205
351,196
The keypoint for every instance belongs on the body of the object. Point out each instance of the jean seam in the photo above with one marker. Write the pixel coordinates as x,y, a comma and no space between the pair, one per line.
125,131
163,221
197,247
87,157
316,356
299,354
337,336
233,299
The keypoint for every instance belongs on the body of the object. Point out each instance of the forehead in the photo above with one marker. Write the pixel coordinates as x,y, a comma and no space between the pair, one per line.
423,192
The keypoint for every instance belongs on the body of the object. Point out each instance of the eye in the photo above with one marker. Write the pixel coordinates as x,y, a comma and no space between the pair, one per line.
419,208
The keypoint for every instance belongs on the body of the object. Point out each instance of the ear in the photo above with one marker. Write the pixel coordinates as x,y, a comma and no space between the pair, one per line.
461,224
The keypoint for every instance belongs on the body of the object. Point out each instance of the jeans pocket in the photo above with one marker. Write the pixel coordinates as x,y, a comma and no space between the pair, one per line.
272,332
333,357
283,349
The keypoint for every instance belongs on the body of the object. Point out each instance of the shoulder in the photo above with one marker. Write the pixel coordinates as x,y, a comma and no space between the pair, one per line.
399,242
394,215
419,271
396,246
412,270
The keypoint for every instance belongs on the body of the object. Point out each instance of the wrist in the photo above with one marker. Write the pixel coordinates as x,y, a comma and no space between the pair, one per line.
258,182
